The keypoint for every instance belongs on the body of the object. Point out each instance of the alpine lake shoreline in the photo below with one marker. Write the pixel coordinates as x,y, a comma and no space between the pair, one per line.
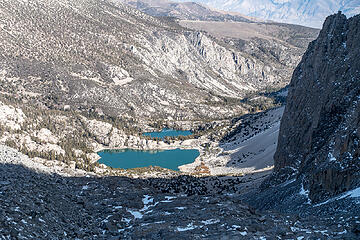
160,145
150,157
220,154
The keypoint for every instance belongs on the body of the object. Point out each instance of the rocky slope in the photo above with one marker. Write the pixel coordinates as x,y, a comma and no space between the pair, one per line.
106,57
36,203
246,146
48,199
318,148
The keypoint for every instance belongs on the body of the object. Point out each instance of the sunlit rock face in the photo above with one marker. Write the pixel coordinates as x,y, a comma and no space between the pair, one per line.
109,58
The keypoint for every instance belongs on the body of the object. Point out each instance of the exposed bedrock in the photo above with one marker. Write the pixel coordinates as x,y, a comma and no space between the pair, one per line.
320,130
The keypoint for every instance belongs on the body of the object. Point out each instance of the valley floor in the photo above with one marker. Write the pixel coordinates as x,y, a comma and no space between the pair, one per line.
49,199
248,145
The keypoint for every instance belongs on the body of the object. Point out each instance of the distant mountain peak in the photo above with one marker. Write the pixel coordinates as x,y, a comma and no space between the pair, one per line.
311,13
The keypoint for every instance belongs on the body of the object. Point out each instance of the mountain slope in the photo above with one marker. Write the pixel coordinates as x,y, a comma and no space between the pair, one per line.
186,10
38,202
310,13
106,57
319,133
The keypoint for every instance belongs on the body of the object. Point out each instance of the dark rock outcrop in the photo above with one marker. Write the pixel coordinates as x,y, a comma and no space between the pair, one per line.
320,129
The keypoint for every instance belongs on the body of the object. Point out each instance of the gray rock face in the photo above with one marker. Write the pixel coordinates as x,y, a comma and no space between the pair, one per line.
320,128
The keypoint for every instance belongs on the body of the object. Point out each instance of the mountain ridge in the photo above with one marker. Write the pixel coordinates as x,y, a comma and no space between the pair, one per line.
107,57
311,13
80,76
185,10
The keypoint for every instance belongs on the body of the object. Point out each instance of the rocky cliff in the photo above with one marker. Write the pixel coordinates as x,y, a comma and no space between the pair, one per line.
320,129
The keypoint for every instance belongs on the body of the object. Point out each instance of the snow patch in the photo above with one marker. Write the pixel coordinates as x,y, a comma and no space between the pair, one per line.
331,157
136,214
210,221
189,227
169,197
305,193
243,233
127,220
180,208
146,201
355,193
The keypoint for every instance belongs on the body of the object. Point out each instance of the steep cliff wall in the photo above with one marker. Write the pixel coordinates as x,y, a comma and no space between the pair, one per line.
320,130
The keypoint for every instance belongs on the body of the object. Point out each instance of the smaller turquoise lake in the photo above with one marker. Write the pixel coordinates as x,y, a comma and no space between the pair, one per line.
129,158
166,132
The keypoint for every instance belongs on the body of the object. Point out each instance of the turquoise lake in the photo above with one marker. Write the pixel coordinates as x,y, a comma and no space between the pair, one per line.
128,158
167,133
170,159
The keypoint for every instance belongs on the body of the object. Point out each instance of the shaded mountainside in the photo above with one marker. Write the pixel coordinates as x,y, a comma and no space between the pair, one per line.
37,203
318,149
107,57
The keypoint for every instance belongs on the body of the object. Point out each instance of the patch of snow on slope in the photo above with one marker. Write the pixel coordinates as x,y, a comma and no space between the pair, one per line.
146,201
305,193
190,226
331,157
355,193
136,214
243,233
210,221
